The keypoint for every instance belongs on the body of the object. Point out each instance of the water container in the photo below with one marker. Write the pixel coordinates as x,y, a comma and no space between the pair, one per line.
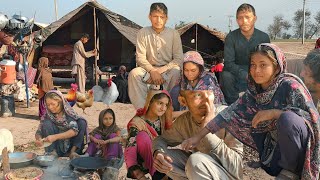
8,71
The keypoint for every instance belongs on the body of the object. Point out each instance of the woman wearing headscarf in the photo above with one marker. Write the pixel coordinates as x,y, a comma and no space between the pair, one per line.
275,116
147,124
106,137
62,127
44,82
194,77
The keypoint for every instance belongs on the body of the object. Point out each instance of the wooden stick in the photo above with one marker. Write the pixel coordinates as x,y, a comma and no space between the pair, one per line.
5,161
95,44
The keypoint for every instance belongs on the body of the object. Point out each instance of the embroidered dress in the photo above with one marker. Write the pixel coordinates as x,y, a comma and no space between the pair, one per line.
70,120
287,93
138,152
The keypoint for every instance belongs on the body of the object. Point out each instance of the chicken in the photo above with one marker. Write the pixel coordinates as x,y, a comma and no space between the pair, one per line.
6,140
108,95
71,95
88,102
81,97
111,93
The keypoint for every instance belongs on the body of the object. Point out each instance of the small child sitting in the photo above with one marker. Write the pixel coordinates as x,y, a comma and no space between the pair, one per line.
105,139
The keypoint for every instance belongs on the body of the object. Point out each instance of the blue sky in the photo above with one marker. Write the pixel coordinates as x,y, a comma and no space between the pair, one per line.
208,12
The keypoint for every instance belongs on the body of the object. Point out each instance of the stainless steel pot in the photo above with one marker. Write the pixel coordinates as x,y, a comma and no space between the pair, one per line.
20,159
44,160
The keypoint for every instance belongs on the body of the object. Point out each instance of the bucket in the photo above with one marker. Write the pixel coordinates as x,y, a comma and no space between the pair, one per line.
8,71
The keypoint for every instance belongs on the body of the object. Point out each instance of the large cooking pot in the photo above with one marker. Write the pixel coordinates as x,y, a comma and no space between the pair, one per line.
89,163
20,159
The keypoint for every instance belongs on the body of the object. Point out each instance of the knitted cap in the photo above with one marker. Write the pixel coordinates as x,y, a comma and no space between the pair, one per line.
193,56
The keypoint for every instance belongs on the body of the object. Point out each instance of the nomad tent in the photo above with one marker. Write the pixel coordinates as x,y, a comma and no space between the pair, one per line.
208,42
115,34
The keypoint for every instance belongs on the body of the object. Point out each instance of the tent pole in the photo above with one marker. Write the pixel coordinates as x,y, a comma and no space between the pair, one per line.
197,37
25,68
95,44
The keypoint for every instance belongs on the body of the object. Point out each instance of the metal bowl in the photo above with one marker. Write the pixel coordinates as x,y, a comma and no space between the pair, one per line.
20,159
45,160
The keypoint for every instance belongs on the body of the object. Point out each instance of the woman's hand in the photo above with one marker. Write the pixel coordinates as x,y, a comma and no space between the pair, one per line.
105,142
265,115
39,142
99,141
50,138
162,162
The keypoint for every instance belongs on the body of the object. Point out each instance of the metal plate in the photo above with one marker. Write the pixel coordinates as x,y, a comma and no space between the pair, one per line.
20,159
89,163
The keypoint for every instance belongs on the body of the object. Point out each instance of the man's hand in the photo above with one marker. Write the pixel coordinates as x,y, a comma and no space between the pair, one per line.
169,116
190,143
95,52
210,108
265,115
162,162
156,77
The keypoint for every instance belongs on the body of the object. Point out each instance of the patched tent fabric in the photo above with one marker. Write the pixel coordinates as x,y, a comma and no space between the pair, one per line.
116,34
208,42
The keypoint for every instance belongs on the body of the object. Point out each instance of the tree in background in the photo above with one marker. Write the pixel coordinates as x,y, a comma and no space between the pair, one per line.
298,20
315,27
279,24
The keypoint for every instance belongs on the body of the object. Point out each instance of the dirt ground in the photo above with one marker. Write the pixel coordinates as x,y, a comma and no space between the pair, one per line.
24,124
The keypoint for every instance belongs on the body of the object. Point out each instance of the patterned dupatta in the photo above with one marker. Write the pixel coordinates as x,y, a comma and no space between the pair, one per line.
286,92
138,122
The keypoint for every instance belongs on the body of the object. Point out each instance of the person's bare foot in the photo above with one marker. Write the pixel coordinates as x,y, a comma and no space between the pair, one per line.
74,155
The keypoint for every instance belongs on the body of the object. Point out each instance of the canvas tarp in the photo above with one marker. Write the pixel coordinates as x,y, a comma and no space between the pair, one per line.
208,42
116,34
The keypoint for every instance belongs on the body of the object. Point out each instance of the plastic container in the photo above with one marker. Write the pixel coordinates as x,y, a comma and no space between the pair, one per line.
8,71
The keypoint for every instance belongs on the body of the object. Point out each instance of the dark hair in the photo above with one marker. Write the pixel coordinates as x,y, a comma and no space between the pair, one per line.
161,7
313,62
101,115
246,7
85,35
266,51
159,96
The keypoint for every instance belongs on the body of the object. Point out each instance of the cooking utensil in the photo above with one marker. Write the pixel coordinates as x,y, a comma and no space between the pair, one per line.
89,163
20,159
44,160
27,173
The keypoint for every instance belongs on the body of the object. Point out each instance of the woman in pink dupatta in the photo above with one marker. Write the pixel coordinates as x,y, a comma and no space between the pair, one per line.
147,124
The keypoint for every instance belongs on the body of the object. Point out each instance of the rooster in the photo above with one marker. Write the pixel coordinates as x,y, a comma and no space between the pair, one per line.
108,95
88,102
72,95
